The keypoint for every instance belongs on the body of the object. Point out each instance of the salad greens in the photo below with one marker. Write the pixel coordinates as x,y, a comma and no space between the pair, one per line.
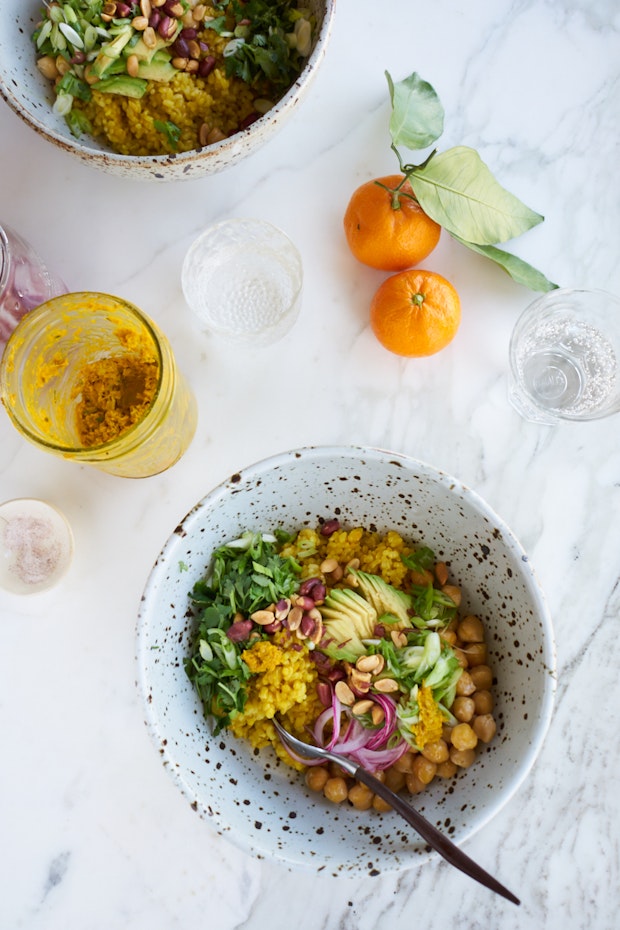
246,575
455,187
249,577
270,39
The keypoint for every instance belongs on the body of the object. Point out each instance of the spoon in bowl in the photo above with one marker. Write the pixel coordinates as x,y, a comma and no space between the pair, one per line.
445,847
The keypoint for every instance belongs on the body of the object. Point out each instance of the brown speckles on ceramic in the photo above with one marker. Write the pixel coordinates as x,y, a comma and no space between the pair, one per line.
30,96
250,797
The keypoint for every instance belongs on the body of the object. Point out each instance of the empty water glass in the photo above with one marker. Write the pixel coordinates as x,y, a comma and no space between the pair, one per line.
565,357
243,280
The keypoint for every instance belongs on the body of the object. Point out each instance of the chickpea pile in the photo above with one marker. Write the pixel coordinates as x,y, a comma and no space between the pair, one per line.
444,757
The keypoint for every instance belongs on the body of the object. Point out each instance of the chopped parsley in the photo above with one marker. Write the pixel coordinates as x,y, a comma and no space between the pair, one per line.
168,129
246,575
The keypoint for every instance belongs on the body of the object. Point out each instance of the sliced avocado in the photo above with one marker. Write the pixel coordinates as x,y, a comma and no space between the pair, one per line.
144,52
158,69
110,52
385,598
348,619
122,84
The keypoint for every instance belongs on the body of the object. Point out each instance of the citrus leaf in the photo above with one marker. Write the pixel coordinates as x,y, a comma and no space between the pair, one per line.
417,114
457,190
519,270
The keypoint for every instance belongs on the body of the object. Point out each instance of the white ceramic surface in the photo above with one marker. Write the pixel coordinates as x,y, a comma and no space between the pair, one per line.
256,801
28,93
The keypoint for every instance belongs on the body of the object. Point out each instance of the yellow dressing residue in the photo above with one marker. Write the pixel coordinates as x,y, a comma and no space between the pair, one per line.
115,393
430,726
51,369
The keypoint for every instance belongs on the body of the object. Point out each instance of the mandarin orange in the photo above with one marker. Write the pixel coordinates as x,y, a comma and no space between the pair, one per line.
415,313
385,226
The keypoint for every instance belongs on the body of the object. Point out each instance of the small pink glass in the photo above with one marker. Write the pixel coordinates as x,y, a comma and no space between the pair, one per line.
25,281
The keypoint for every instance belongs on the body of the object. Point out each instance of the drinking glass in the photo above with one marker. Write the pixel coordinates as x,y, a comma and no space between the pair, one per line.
565,357
243,280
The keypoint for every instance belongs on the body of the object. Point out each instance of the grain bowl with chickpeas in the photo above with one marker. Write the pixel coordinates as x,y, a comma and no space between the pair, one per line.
356,640
379,608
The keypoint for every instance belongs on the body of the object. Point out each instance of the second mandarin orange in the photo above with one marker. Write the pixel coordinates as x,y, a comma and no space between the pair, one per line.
415,313
385,226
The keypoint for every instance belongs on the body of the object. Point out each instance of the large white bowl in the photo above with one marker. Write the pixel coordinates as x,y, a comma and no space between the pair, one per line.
254,800
30,95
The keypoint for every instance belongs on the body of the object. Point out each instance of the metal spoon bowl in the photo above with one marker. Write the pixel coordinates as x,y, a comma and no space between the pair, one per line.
445,847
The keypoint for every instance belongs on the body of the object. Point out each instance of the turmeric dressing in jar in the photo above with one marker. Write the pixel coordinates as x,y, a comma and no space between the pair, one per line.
88,376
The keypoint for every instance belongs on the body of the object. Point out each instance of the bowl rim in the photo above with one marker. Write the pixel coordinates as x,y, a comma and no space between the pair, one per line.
545,710
181,161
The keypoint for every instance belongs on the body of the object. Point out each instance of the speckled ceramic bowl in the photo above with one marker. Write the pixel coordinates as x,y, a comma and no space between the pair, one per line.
261,804
28,93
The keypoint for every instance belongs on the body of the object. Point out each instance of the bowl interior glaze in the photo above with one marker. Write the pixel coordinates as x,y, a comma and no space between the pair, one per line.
252,798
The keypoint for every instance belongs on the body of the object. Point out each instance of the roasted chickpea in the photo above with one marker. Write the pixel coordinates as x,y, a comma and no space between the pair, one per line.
436,752
463,737
484,727
462,757
448,636
483,702
424,769
482,677
405,763
463,708
394,779
465,685
361,797
380,805
447,769
476,654
335,790
316,777
414,785
471,630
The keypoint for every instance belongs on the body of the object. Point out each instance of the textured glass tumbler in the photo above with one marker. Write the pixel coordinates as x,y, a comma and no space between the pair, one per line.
565,357
243,280
45,368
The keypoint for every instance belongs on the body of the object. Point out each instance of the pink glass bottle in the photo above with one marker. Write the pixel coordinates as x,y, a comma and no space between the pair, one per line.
25,281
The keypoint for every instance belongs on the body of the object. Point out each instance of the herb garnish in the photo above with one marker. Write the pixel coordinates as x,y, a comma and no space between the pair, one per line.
259,46
246,575
168,129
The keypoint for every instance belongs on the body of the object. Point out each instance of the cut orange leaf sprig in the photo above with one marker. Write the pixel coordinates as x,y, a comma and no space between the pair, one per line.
455,188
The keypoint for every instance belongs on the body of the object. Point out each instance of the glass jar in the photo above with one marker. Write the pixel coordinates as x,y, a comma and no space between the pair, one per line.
25,281
89,377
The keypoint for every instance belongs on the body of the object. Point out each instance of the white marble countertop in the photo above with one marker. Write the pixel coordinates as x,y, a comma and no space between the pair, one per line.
94,834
